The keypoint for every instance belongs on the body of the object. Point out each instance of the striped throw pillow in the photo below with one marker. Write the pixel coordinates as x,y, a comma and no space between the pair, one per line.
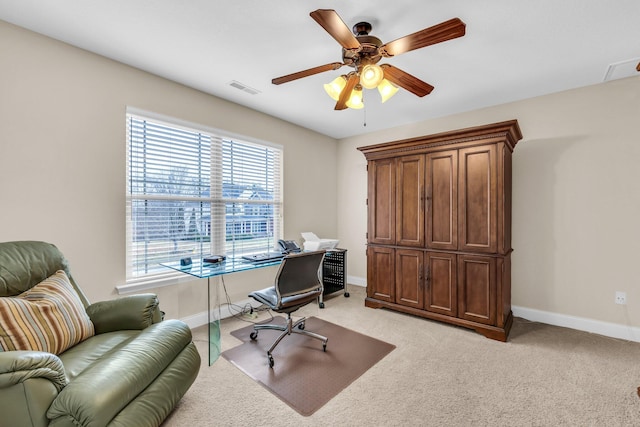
48,317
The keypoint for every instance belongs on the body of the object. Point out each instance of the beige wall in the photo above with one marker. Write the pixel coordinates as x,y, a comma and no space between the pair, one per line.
62,160
576,198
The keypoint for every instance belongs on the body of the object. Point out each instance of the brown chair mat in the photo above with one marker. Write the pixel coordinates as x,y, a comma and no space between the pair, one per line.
304,376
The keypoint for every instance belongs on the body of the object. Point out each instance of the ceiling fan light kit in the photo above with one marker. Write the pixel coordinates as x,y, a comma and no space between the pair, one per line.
363,51
387,90
334,88
371,76
355,99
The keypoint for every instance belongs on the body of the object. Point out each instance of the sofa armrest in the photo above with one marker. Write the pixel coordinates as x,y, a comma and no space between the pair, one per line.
132,312
19,366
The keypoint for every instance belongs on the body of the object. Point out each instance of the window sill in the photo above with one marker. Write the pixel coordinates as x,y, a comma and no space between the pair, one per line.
156,283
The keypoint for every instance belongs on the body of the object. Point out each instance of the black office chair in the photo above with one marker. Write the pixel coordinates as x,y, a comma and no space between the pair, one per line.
297,283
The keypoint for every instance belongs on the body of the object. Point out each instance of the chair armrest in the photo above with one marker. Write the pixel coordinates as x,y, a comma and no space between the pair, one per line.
18,366
132,312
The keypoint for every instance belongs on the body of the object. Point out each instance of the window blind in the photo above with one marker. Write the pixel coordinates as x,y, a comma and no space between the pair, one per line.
193,193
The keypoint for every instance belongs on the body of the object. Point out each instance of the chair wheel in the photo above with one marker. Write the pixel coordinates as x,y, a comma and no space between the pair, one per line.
253,335
270,357
321,305
324,346
301,326
346,294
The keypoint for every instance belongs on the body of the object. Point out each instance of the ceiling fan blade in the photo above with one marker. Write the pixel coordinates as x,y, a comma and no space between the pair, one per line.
405,80
444,31
353,80
307,73
335,26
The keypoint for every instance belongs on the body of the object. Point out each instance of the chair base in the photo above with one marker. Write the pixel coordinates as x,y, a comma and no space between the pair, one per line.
287,329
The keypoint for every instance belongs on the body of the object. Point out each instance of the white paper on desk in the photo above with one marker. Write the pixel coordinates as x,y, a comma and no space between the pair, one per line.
314,243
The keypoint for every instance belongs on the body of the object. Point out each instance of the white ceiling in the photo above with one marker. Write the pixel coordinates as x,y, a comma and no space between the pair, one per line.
513,49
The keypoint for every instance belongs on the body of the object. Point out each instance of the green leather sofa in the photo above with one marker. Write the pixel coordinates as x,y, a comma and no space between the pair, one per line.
131,372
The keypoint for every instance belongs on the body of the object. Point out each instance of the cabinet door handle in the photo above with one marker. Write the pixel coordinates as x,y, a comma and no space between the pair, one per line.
426,198
426,278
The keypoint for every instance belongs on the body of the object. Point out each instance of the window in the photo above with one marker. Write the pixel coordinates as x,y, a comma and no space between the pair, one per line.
195,192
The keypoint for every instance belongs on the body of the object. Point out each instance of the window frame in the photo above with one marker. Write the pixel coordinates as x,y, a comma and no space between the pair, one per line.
216,199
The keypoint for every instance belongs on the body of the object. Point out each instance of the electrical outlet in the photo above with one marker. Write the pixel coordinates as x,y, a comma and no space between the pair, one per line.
621,297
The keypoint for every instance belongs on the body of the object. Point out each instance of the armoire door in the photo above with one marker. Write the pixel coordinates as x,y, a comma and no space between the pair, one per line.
381,201
442,200
441,294
477,199
409,278
381,273
477,288
410,201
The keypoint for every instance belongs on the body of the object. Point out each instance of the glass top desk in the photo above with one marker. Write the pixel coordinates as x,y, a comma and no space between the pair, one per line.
203,270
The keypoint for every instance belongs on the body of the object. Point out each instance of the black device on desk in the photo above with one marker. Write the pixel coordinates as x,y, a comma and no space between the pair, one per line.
288,246
213,259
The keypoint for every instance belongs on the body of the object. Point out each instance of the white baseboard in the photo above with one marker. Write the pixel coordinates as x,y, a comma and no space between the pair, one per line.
196,320
358,281
200,319
613,330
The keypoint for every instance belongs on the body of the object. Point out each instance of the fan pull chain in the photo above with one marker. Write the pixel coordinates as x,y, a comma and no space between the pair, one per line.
364,112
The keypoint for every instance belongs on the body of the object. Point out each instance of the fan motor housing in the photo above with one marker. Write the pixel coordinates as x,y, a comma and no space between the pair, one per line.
368,53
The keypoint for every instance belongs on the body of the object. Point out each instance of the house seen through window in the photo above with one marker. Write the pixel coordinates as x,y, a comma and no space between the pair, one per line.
194,192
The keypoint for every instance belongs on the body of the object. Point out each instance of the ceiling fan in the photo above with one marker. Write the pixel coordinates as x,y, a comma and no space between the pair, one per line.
363,51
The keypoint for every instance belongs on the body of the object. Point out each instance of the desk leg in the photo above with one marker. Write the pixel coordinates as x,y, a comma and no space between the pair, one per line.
213,318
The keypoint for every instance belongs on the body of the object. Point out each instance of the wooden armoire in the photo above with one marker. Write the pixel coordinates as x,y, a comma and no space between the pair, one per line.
439,226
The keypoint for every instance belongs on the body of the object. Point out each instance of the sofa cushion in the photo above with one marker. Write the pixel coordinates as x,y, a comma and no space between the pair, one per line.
90,351
48,317
112,382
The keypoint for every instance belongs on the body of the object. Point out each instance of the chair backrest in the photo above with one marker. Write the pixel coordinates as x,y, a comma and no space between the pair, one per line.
24,264
299,273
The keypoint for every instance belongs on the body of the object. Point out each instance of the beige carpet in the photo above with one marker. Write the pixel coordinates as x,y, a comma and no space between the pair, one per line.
438,375
304,376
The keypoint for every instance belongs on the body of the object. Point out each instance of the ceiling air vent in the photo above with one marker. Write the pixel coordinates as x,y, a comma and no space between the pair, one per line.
622,69
243,87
